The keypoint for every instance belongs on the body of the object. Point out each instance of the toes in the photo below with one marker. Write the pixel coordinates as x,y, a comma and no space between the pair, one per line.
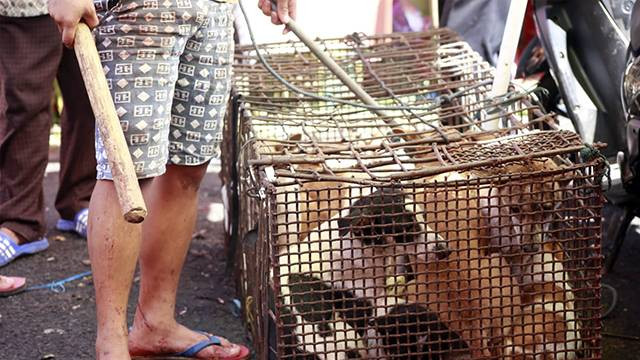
226,348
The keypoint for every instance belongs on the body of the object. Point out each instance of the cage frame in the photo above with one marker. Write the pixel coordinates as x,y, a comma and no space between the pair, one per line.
263,191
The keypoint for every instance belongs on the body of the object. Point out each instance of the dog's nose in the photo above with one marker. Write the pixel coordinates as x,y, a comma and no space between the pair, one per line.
531,248
442,251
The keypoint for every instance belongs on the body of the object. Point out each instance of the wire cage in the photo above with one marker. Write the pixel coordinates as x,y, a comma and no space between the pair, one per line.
459,227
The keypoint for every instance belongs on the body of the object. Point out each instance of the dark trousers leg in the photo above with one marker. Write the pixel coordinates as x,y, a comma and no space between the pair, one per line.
30,52
77,152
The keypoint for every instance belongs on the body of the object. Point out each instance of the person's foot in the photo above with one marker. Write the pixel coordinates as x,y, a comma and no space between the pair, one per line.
79,224
113,354
11,246
146,340
11,285
17,238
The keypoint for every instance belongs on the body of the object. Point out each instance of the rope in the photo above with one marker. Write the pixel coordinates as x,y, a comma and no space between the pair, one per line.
589,153
248,308
58,286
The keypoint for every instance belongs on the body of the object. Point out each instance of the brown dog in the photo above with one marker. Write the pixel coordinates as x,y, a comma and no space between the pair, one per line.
501,226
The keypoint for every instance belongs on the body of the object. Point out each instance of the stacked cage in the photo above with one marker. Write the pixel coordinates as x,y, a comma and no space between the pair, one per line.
459,227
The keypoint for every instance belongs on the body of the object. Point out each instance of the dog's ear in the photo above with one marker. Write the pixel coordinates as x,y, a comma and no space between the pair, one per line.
311,298
381,213
412,328
329,311
358,215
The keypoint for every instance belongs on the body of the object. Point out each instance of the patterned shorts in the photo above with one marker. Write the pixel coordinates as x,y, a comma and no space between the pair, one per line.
168,66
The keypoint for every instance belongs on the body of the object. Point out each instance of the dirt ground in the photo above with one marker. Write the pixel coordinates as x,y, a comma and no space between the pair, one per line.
47,325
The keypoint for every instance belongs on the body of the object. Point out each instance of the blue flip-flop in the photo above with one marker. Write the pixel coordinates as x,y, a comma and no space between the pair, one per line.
10,251
77,225
192,352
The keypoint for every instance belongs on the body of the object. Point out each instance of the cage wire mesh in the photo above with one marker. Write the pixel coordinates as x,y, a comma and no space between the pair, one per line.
425,235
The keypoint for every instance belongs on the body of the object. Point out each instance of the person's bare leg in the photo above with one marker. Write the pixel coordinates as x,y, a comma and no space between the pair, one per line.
114,245
172,201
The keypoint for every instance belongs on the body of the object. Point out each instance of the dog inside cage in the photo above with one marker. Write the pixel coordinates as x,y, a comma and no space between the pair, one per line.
455,268
427,237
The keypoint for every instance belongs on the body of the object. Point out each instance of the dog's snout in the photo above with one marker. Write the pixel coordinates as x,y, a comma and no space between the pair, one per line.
442,251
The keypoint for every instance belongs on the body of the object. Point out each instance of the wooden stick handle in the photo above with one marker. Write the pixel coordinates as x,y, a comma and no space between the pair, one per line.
336,69
508,48
434,6
108,124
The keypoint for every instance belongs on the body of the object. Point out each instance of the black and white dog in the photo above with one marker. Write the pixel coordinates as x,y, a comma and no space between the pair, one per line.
339,285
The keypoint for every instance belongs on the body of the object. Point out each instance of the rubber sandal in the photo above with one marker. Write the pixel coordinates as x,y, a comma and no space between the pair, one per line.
10,251
192,352
17,285
77,225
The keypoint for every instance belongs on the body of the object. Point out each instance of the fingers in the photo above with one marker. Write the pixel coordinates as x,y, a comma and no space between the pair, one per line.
265,6
286,11
68,27
283,11
274,19
273,14
67,14
66,24
68,34
293,9
90,17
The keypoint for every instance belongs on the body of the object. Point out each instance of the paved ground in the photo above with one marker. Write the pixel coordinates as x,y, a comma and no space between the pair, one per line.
622,328
48,325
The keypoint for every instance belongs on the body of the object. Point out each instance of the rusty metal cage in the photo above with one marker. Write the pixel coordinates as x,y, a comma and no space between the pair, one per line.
429,236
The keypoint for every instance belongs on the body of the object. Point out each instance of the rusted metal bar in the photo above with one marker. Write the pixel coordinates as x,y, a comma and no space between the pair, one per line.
385,241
